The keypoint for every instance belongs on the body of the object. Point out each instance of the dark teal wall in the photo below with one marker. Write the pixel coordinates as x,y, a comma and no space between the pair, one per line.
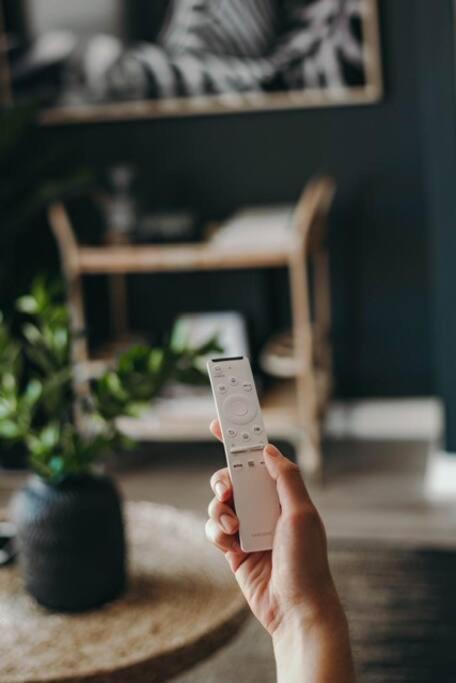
392,235
437,65
379,236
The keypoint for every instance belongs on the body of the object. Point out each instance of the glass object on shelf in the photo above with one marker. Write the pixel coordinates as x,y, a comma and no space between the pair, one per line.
120,205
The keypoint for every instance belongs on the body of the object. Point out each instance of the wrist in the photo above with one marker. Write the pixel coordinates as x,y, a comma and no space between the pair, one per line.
302,621
306,637
304,618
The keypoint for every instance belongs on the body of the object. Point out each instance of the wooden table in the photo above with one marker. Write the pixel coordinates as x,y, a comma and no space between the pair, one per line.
182,604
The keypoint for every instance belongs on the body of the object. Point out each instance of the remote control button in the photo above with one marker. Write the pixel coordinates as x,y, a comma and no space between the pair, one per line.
232,433
234,381
245,436
257,429
222,389
247,386
218,370
248,448
239,409
251,463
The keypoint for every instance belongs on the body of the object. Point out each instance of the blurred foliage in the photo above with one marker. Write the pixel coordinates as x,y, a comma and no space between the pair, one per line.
32,174
36,387
30,180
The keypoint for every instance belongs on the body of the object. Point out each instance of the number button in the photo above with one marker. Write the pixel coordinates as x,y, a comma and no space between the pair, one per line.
222,388
247,386
232,433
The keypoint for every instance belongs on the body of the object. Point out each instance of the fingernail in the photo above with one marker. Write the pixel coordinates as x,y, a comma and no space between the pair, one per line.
227,523
220,490
271,450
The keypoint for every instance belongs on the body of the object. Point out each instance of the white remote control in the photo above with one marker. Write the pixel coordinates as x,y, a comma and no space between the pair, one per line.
244,437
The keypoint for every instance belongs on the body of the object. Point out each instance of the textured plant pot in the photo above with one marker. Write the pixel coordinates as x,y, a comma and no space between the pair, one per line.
71,542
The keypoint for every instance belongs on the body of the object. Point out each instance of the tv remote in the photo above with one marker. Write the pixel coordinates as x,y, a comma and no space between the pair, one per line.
244,437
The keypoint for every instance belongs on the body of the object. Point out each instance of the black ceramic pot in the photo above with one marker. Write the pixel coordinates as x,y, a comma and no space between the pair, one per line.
71,542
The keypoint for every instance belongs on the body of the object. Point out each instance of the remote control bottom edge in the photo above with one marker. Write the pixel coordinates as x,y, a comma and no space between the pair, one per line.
261,546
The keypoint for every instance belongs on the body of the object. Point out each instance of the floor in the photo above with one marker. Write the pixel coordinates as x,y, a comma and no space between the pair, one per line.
371,489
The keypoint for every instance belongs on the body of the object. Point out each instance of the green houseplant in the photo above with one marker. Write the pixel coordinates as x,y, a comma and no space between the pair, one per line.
68,516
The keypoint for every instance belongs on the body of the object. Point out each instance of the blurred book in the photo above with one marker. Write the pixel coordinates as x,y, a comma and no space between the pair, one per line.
187,402
227,326
262,227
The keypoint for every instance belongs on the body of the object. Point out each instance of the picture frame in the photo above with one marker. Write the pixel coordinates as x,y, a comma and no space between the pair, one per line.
366,88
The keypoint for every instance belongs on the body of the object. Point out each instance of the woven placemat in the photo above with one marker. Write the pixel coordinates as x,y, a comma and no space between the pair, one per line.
182,603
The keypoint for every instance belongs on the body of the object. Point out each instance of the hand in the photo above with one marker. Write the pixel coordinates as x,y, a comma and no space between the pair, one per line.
293,579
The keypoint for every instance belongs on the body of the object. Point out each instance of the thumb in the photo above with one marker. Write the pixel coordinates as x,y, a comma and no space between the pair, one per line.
290,485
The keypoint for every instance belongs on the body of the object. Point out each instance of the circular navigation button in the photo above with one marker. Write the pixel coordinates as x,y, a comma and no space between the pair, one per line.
257,429
245,436
233,381
232,433
239,409
247,386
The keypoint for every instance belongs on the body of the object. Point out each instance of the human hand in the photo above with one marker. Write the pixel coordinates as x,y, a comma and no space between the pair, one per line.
294,578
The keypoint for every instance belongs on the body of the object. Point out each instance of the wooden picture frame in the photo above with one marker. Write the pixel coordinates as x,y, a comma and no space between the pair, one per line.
369,92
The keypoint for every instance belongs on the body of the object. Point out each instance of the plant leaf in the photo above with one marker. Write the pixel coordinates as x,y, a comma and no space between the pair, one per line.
9,430
27,304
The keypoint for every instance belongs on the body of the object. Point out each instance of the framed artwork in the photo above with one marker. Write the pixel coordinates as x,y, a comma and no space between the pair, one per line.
188,57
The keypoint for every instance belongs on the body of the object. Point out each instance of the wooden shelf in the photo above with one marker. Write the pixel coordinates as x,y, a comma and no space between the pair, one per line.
205,256
279,412
292,411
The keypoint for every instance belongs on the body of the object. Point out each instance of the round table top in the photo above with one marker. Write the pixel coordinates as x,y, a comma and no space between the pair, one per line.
182,603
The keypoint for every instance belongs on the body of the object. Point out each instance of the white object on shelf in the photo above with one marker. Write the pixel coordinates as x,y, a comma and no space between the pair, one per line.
228,326
440,482
261,227
187,403
278,357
